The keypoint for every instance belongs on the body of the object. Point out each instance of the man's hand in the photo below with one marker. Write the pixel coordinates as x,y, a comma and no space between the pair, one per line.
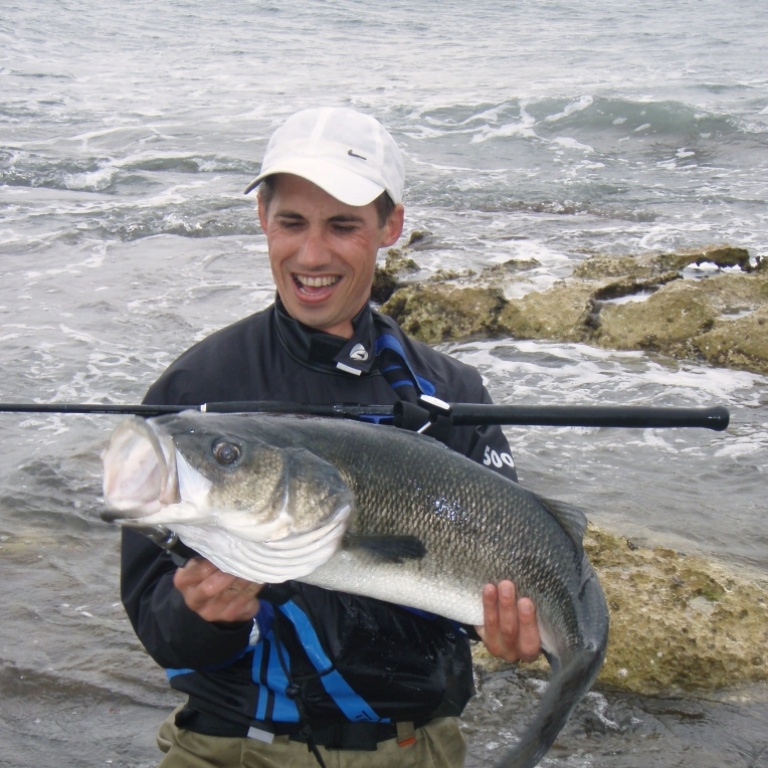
214,595
510,630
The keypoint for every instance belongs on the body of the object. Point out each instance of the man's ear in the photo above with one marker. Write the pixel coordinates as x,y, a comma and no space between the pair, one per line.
394,226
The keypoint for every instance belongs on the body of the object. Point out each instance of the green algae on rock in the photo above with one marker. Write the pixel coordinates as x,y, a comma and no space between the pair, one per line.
665,322
437,313
626,303
678,622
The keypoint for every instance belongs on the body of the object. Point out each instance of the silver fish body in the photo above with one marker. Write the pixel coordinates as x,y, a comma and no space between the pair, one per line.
371,510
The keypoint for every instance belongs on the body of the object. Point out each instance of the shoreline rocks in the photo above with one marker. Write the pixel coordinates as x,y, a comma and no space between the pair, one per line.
708,306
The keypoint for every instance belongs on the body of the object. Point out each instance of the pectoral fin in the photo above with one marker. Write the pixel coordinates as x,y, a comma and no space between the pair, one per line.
391,549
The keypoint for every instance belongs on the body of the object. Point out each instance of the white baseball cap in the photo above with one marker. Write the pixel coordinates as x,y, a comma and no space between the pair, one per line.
344,152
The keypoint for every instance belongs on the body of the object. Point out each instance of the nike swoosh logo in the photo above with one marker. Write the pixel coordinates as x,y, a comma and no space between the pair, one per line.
352,153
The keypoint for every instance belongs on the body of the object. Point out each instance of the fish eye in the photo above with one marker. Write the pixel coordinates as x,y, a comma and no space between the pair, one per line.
226,452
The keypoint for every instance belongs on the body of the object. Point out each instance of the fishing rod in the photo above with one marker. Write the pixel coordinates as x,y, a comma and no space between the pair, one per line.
429,410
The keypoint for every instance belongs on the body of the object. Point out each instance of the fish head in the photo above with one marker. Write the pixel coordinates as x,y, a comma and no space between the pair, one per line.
215,482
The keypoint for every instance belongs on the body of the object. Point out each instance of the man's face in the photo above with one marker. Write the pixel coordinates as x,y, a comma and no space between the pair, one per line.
323,252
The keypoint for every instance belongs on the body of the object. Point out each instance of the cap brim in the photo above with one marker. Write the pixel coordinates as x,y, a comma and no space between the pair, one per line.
338,182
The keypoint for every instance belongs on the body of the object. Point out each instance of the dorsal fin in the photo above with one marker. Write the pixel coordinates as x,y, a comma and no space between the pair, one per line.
572,519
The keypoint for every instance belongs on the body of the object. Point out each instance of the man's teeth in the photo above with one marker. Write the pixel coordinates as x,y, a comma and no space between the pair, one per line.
322,281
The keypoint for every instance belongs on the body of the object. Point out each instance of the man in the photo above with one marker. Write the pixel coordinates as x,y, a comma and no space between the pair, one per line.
294,675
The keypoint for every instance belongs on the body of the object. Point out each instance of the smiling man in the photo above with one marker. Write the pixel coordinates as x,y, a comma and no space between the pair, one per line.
294,675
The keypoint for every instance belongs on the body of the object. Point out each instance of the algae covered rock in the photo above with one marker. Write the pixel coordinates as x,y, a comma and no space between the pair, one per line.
648,303
678,622
564,312
739,343
386,277
435,313
722,257
599,267
665,322
722,319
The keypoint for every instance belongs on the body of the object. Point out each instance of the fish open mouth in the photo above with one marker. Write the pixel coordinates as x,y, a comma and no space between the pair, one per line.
139,472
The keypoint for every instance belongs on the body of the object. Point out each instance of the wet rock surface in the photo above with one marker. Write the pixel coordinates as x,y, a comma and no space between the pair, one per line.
678,623
709,306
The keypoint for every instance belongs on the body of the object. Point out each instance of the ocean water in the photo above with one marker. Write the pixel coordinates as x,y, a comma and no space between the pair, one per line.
531,130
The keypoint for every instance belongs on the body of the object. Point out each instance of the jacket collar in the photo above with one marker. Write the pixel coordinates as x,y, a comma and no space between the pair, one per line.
323,351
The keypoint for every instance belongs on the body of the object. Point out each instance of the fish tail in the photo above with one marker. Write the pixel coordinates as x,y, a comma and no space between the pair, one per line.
572,676
566,687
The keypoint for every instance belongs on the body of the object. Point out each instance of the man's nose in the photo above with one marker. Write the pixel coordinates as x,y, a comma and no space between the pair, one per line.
313,251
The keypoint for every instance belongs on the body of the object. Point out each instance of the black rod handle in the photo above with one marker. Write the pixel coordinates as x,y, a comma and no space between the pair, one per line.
635,417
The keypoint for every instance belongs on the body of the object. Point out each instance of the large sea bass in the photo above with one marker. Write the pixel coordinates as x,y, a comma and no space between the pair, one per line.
373,510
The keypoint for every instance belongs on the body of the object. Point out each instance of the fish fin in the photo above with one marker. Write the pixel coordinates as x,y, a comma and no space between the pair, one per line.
572,519
552,659
392,549
570,680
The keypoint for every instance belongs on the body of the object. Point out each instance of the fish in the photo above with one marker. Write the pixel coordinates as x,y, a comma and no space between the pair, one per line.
372,510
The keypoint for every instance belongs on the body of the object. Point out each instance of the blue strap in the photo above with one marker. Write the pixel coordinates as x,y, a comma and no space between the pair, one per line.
376,419
171,673
387,341
354,707
284,709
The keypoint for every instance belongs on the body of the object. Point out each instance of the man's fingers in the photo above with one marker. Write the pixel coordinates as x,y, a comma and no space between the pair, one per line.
507,610
490,611
528,638
510,630
194,572
215,595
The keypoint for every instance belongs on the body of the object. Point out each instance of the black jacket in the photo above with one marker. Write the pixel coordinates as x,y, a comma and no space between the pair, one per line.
323,656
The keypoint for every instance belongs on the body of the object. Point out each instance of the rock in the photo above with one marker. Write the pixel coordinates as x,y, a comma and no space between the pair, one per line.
740,343
719,318
435,313
664,323
510,267
600,267
386,277
564,312
735,293
678,623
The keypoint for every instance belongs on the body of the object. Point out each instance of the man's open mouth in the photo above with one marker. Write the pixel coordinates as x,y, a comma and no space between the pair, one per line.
311,283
